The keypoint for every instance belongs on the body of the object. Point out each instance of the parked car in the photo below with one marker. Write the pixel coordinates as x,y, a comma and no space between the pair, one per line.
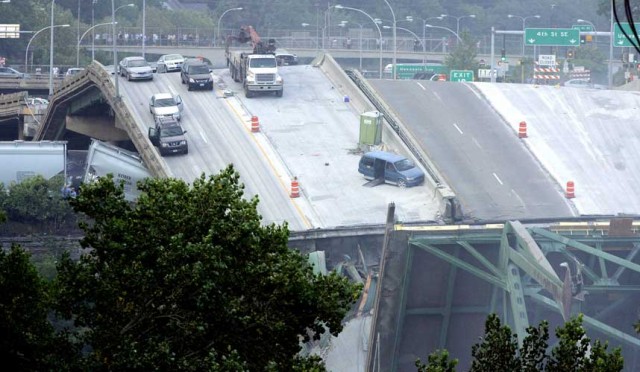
581,83
11,73
135,68
170,62
390,168
196,74
37,101
73,71
169,136
166,104
284,58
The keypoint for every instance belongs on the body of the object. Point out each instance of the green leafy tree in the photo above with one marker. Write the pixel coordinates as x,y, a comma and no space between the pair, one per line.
498,350
463,57
39,201
187,279
28,342
437,361
575,352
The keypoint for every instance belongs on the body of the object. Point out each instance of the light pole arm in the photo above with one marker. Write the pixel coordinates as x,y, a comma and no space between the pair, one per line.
445,28
26,53
83,35
376,24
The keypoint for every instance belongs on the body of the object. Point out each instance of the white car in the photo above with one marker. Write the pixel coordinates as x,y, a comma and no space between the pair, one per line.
170,62
166,104
37,101
135,68
582,83
73,71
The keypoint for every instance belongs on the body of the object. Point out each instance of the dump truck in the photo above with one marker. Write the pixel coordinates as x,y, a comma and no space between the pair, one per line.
256,69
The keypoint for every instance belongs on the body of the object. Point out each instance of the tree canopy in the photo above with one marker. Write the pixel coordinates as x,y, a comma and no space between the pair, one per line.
186,278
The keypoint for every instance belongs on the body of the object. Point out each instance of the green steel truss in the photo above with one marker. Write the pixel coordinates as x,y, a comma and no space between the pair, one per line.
531,270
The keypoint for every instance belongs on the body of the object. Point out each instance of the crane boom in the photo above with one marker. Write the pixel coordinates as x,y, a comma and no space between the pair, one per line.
248,33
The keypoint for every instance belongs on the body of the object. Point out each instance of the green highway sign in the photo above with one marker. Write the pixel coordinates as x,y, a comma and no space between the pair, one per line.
619,40
583,28
552,36
461,75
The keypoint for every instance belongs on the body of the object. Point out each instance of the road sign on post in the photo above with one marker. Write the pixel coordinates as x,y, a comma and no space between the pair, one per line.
619,40
583,28
461,75
9,31
552,36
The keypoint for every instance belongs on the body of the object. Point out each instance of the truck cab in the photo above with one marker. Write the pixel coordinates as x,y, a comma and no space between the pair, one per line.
257,72
169,136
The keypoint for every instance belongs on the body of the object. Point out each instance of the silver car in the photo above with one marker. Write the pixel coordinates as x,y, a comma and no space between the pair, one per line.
170,62
166,105
135,68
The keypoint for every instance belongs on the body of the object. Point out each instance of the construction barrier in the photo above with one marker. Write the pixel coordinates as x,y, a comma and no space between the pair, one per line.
571,192
295,188
255,124
522,130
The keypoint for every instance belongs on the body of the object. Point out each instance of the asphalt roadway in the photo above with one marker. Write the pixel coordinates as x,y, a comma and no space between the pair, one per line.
493,174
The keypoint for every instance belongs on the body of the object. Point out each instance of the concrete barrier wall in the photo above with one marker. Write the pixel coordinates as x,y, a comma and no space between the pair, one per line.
96,75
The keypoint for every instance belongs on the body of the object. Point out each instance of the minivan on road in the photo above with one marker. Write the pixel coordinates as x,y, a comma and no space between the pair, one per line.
390,167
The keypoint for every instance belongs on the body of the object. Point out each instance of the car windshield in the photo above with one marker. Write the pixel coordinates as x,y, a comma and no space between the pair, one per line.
404,165
263,62
165,102
199,69
137,63
172,57
171,131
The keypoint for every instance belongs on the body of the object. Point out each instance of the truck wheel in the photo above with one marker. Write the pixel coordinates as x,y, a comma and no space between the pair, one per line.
248,93
279,93
189,87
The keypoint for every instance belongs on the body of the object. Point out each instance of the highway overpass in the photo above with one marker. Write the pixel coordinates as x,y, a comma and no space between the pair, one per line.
430,295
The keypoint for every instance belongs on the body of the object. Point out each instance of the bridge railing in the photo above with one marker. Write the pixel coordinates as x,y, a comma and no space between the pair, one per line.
96,75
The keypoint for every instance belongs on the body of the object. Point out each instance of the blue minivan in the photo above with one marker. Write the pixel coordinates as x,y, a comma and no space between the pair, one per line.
392,168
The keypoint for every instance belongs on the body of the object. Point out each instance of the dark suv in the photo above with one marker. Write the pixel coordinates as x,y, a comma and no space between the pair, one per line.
169,136
196,74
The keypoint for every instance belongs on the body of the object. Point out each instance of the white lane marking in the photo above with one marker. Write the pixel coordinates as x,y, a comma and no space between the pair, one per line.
517,196
172,90
422,86
498,178
458,128
477,143
437,96
203,137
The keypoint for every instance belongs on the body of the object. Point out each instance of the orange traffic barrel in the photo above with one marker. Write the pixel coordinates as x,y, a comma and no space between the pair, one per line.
522,130
255,124
295,188
570,193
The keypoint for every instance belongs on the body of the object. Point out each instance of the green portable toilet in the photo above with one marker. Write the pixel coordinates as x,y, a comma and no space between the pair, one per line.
370,128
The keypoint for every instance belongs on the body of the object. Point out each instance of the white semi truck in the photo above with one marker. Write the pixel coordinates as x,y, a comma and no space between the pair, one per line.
257,70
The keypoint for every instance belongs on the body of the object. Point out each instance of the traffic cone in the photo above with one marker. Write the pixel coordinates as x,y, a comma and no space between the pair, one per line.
570,193
522,130
295,188
255,124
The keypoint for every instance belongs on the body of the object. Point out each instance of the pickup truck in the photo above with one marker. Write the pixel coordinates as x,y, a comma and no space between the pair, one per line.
168,136
166,104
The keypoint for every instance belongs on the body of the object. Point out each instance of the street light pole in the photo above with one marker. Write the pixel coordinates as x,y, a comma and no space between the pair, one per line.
222,15
374,22
395,40
26,53
524,19
86,32
93,36
593,26
424,36
458,20
445,28
53,2
115,50
144,26
610,65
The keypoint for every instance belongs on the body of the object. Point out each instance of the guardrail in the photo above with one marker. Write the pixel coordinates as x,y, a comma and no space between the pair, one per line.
11,104
40,82
96,75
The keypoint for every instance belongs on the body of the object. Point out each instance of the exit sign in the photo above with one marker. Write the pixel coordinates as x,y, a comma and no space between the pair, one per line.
461,75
